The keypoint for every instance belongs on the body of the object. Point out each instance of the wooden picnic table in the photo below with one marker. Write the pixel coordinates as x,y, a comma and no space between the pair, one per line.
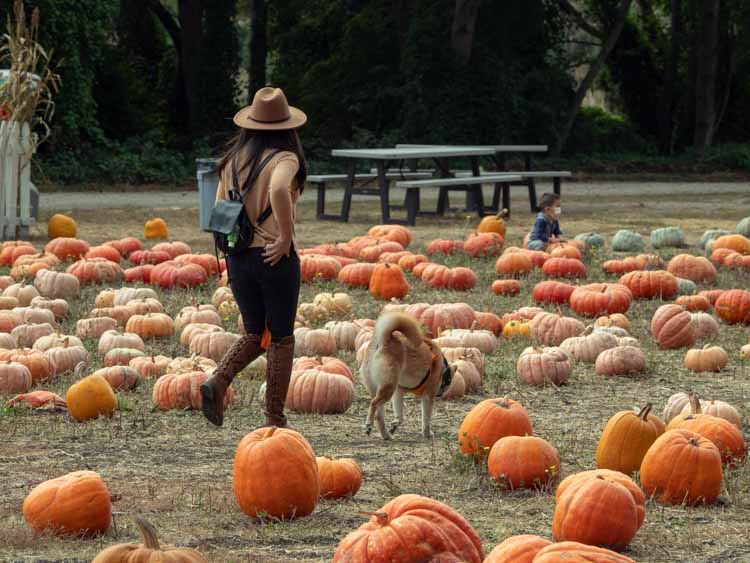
499,156
382,159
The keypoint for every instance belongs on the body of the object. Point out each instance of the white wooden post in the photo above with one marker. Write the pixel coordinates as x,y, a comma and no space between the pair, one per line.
15,178
4,179
24,182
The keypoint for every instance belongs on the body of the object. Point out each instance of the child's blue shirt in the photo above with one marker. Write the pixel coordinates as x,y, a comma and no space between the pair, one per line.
544,228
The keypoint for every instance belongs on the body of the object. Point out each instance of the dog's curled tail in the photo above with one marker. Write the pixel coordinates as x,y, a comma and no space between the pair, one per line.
407,325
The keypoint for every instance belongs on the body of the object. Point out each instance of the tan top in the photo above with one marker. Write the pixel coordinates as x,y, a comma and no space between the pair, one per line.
279,174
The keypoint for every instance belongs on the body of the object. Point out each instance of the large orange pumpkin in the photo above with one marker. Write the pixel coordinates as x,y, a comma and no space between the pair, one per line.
411,528
514,264
738,243
682,467
733,306
442,277
626,439
552,292
339,477
276,474
314,267
356,275
694,268
650,284
493,224
76,504
484,244
564,268
523,462
598,299
489,421
388,282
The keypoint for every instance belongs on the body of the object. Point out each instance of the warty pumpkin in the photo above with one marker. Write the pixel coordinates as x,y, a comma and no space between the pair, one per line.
523,462
489,421
626,438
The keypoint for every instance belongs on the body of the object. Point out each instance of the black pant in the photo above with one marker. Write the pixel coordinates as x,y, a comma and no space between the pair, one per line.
265,294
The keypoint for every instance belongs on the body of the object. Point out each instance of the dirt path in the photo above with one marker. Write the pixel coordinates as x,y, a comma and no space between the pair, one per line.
663,193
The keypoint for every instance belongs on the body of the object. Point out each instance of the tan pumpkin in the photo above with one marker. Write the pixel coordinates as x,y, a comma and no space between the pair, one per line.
118,312
27,334
221,295
457,387
55,340
120,377
471,355
40,366
539,366
587,347
468,373
483,340
192,363
551,329
8,303
57,285
708,358
205,314
121,356
8,321
344,333
212,345
114,339
67,357
32,315
125,295
675,405
59,307
615,319
7,342
314,342
315,391
14,378
152,325
93,328
719,409
150,366
621,360
705,327
144,306
334,303
105,298
22,292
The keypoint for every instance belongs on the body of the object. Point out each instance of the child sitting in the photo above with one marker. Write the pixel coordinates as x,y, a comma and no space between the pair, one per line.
546,227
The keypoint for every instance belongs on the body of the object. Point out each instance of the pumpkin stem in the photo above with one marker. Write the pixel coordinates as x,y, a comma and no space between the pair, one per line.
504,403
270,431
695,404
588,330
643,414
381,517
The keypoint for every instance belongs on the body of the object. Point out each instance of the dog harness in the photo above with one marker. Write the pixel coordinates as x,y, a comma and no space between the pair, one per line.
444,384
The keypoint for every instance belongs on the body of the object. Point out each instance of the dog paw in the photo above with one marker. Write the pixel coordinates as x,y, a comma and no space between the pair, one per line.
394,427
368,429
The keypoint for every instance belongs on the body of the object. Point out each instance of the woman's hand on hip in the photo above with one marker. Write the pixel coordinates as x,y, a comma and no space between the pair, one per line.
275,251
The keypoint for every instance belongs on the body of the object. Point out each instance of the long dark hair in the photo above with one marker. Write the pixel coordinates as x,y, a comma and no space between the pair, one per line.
247,148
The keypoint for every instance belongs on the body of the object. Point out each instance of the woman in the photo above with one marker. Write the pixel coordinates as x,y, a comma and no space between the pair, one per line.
265,279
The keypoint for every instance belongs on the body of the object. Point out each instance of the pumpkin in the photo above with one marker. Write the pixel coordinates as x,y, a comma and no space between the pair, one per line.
621,360
598,299
537,366
391,534
733,306
489,321
266,462
437,318
724,435
318,267
205,314
675,405
106,252
58,307
39,365
566,251
709,236
650,284
470,355
67,357
182,391
14,378
150,366
32,315
196,328
174,249
694,302
570,552
67,248
356,275
517,329
149,551
152,325
95,270
7,342
313,342
76,504
344,333
738,243
493,224
397,233
143,307
672,327
173,274
596,511
587,347
591,240
708,358
506,287
705,326
125,295
114,339
22,292
339,478
517,549
189,364
334,303
484,244
682,467
120,377
489,421
409,261
686,287
551,329
513,264
626,438
627,241
120,313
693,268
26,334
719,409
373,252
138,274
23,254
8,321
667,236
38,400
523,462
125,246
155,229
121,356
8,302
442,277
444,246
212,345
552,292
60,225
90,397
325,363
153,257
388,282
743,227
57,285
466,376
483,340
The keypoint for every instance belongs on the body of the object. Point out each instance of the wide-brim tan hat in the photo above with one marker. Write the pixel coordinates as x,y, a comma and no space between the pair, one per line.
270,112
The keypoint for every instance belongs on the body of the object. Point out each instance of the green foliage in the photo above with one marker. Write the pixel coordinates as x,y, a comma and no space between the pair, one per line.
597,131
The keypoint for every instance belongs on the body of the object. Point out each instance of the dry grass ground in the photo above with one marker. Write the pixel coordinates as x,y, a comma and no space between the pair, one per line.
176,469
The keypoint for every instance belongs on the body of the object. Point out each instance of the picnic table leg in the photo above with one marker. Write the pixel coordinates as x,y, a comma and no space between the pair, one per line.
321,202
501,165
474,194
385,204
557,185
412,205
506,199
346,203
531,184
445,172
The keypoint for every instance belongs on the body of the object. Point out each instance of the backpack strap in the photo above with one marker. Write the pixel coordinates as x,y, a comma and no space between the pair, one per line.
252,178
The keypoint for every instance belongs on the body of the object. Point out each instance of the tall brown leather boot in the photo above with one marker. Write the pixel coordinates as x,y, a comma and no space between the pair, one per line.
279,372
213,391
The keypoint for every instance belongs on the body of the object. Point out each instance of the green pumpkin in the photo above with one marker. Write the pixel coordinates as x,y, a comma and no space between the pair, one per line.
592,240
627,241
743,227
686,287
709,236
667,236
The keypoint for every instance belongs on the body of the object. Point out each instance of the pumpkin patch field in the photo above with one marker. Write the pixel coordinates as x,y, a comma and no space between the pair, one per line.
598,406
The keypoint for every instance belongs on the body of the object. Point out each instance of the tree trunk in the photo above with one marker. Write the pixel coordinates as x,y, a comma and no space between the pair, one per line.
594,70
191,24
403,12
667,98
462,31
258,47
705,85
